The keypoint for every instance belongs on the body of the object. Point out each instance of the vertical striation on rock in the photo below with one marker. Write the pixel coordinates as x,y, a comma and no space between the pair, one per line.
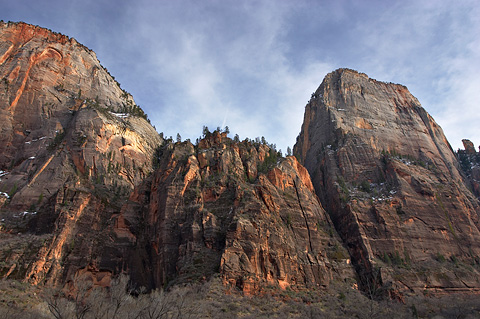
390,181
89,188
73,145
234,209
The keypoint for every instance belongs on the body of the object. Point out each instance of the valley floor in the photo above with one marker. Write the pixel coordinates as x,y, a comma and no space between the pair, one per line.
211,300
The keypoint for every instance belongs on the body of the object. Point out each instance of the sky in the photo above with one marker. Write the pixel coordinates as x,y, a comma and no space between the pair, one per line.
253,65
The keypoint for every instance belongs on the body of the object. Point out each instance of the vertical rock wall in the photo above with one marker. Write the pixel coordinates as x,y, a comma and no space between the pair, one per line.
390,181
73,145
219,209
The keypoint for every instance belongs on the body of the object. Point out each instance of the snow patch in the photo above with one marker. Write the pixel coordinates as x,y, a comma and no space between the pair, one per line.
25,213
4,194
36,140
28,213
120,115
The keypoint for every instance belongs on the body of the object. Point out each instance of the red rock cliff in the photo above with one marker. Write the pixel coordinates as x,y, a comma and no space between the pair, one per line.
73,144
234,209
385,172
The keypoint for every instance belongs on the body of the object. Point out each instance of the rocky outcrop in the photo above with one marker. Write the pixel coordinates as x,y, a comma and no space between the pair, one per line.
390,181
469,147
234,209
469,160
73,145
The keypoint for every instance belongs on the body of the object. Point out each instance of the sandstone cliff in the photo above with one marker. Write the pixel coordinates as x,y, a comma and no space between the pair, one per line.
469,160
73,144
88,187
231,208
390,181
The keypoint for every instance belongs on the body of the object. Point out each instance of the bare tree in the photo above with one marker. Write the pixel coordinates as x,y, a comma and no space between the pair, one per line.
118,296
58,305
82,286
155,305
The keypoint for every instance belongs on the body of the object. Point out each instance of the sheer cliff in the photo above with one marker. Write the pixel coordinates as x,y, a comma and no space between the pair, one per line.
89,189
73,145
80,195
391,183
235,209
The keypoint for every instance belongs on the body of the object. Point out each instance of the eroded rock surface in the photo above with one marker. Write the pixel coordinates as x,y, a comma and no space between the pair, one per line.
385,172
73,145
88,187
469,160
234,209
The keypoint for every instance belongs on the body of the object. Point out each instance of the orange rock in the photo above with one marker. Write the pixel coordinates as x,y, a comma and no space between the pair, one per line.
71,154
271,230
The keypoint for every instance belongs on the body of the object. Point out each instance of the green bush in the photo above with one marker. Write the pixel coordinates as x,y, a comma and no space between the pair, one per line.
365,186
56,140
269,162
440,258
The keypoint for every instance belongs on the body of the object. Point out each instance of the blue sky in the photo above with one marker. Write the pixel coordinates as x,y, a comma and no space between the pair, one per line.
252,65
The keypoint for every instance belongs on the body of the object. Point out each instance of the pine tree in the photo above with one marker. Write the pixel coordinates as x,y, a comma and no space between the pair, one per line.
289,151
206,132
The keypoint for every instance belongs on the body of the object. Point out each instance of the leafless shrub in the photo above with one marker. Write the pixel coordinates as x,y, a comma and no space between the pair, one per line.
210,300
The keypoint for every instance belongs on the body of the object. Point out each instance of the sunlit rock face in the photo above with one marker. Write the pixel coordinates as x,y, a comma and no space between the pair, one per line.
80,196
73,145
235,209
390,181
89,189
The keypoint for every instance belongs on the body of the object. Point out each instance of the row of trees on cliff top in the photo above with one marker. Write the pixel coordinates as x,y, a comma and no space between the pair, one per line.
206,134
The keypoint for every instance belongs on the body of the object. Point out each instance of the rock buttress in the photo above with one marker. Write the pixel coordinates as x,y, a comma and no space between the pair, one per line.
390,181
233,209
73,145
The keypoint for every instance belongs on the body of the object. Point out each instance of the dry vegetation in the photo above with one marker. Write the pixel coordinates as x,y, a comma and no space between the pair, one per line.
210,300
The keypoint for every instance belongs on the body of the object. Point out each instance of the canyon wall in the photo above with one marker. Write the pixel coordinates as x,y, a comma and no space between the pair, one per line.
391,183
374,194
236,209
73,145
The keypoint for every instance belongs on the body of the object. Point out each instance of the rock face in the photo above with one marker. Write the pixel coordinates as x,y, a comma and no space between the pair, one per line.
73,144
469,147
88,187
233,208
470,164
390,181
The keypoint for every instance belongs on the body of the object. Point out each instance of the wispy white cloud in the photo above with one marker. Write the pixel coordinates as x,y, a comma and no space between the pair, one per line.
228,69
433,48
